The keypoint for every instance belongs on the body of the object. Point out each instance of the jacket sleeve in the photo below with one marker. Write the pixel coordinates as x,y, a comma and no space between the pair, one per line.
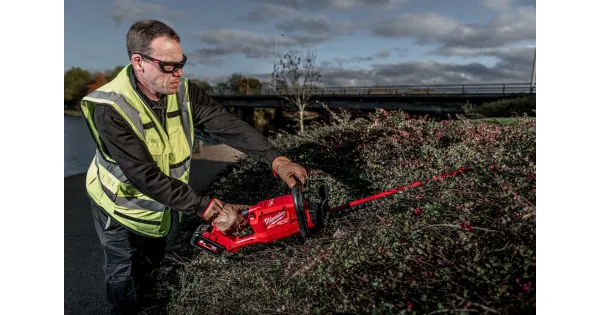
212,118
141,170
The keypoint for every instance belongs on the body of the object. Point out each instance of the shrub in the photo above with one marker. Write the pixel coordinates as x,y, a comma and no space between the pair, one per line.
262,119
507,107
463,243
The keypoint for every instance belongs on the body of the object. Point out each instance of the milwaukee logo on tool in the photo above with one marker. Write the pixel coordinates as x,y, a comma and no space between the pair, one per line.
275,218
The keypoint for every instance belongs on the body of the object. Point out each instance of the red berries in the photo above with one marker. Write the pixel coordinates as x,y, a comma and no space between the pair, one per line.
467,226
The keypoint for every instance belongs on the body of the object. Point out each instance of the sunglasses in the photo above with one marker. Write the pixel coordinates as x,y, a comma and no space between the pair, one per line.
166,66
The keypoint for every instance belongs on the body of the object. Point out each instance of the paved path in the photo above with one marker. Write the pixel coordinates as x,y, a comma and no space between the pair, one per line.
84,286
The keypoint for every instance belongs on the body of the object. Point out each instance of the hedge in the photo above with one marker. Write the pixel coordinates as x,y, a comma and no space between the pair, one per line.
461,245
507,107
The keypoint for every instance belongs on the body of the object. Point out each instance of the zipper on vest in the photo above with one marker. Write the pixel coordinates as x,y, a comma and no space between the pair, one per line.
161,121
142,97
163,114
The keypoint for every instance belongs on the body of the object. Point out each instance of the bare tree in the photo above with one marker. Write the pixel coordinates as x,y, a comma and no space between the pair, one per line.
296,78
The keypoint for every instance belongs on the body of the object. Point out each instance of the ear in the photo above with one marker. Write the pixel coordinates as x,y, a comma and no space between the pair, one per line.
136,62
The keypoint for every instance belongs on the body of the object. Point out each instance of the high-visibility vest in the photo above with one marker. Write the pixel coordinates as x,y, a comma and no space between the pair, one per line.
170,147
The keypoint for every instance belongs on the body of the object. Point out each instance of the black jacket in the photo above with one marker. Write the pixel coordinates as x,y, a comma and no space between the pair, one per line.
131,154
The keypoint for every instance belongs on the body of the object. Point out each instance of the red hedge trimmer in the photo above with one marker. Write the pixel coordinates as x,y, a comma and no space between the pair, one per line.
285,216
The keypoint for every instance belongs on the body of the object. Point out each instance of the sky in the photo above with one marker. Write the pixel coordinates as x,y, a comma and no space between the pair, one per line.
356,42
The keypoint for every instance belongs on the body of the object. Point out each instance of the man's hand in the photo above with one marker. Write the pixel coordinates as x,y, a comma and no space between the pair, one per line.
289,171
226,217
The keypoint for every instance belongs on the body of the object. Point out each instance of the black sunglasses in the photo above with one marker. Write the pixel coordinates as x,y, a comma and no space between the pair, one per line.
166,66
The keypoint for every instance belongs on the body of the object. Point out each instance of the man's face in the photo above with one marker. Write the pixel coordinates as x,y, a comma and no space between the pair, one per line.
155,79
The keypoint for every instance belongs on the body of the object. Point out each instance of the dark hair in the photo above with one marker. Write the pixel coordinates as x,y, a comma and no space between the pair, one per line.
142,33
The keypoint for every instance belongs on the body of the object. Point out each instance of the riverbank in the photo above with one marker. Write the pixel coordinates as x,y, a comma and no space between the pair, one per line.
73,113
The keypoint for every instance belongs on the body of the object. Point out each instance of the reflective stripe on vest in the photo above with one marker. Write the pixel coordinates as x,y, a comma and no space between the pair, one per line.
186,116
175,170
127,202
179,169
118,99
111,167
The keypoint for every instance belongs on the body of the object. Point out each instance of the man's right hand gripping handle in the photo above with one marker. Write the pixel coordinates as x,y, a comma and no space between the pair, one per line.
226,217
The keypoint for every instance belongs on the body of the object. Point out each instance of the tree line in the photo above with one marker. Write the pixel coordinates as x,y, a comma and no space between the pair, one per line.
80,82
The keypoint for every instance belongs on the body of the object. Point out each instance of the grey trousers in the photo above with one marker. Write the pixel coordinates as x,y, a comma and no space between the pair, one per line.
131,262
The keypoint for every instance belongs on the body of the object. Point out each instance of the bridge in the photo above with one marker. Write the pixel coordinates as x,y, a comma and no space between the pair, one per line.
436,99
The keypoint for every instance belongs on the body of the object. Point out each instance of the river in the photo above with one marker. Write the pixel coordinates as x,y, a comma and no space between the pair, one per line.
79,146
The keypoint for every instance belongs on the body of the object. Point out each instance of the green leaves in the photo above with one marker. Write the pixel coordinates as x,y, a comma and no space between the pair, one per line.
76,82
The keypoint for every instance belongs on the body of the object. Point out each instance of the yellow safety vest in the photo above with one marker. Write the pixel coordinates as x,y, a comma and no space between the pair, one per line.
170,147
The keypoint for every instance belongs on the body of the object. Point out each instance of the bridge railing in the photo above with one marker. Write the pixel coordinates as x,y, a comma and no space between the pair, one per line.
407,90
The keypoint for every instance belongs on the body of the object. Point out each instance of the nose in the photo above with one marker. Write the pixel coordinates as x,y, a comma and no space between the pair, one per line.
178,73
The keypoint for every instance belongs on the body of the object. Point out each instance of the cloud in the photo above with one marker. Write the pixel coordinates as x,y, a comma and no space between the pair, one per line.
299,30
380,55
419,25
512,58
268,11
283,9
506,5
383,54
428,72
498,5
509,53
221,36
513,23
309,23
234,41
432,28
250,44
306,22
207,56
134,10
514,65
337,4
432,72
326,64
294,21
313,29
354,4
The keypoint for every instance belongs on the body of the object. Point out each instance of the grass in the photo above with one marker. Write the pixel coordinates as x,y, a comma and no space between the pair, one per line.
499,120
505,107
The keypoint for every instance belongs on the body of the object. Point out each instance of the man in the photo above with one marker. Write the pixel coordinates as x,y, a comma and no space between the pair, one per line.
143,123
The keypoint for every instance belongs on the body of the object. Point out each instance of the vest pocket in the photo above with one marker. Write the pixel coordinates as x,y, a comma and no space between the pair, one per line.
154,142
128,190
155,146
174,125
107,184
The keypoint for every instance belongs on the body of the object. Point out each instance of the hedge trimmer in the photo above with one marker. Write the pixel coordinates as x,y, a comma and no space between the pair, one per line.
285,216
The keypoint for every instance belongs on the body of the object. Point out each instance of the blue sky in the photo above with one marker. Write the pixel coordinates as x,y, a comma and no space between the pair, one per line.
357,42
